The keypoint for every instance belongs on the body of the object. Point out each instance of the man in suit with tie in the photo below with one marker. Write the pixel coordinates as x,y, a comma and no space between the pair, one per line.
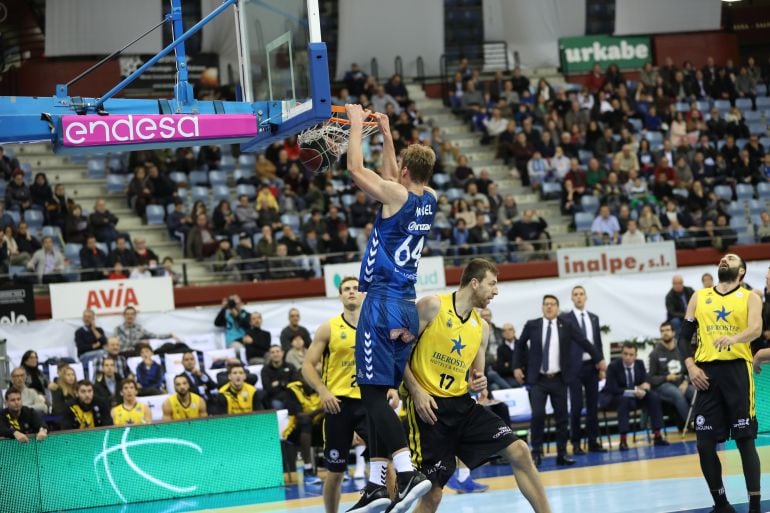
627,388
587,377
544,349
200,382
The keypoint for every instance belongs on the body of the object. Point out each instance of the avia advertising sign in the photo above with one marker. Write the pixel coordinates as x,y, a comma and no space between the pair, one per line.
102,467
107,297
579,54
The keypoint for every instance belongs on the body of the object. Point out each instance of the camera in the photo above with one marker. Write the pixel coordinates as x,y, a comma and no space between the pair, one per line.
231,304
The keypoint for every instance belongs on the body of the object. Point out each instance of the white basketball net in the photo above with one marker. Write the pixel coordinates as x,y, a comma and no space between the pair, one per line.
335,137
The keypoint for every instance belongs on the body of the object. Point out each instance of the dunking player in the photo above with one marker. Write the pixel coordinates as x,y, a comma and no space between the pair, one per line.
444,420
389,321
727,318
334,347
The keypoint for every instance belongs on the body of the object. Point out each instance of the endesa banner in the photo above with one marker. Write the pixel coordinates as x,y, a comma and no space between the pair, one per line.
629,259
106,297
87,131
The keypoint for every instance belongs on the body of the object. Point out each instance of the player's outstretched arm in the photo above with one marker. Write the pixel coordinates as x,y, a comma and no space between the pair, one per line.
389,169
309,368
384,191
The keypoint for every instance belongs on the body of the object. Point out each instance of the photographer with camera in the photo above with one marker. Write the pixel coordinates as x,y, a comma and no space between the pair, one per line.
235,320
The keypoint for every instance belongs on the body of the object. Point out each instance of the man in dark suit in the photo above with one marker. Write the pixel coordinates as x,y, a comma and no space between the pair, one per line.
627,388
676,302
200,382
504,363
544,349
587,377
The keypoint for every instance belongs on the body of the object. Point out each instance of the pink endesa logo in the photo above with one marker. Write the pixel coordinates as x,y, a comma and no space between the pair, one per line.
82,131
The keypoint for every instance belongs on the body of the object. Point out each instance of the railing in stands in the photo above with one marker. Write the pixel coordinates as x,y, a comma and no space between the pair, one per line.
310,266
420,69
398,65
373,68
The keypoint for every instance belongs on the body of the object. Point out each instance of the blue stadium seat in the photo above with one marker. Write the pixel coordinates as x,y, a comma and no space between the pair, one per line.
703,106
96,168
583,221
722,105
244,174
682,106
292,220
72,252
34,219
744,191
248,190
736,209
116,165
738,222
27,168
199,178
54,232
178,177
247,161
220,192
724,192
454,193
227,162
763,102
757,128
550,190
217,178
756,207
440,180
743,103
584,156
590,204
681,192
116,184
752,115
15,215
655,138
347,200
199,194
763,190
104,247
761,91
155,214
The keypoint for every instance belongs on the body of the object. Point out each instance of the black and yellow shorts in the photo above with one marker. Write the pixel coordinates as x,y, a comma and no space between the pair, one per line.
338,433
726,409
464,429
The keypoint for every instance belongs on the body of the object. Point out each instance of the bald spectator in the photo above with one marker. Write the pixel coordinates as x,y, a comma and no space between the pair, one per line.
504,364
142,253
103,222
30,397
47,263
293,329
676,301
605,228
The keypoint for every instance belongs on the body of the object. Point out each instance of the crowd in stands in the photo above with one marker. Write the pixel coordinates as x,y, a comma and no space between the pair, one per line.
678,155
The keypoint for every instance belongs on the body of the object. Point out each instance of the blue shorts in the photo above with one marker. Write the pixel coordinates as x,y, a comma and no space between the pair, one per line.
386,331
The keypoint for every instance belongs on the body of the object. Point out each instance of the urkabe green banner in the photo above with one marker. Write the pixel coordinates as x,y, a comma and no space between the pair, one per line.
579,54
140,463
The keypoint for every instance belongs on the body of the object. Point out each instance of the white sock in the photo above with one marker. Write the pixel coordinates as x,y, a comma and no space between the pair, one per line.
377,472
463,473
403,461
360,461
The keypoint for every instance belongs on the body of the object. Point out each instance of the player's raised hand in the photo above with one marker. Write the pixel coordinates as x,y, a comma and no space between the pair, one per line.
355,113
425,406
383,122
330,403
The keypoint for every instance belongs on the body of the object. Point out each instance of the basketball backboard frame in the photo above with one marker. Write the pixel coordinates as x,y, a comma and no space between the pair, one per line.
124,122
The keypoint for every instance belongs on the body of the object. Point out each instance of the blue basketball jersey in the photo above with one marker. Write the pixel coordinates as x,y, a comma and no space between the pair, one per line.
389,266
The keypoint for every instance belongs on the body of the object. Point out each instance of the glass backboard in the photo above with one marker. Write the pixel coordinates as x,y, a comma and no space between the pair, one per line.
273,45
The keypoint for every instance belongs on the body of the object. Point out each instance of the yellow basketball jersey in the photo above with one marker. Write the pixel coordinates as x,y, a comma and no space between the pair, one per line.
121,416
443,355
339,360
241,401
179,412
85,419
721,315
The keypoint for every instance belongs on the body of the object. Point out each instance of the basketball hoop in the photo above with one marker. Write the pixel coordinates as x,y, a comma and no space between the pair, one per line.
323,145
